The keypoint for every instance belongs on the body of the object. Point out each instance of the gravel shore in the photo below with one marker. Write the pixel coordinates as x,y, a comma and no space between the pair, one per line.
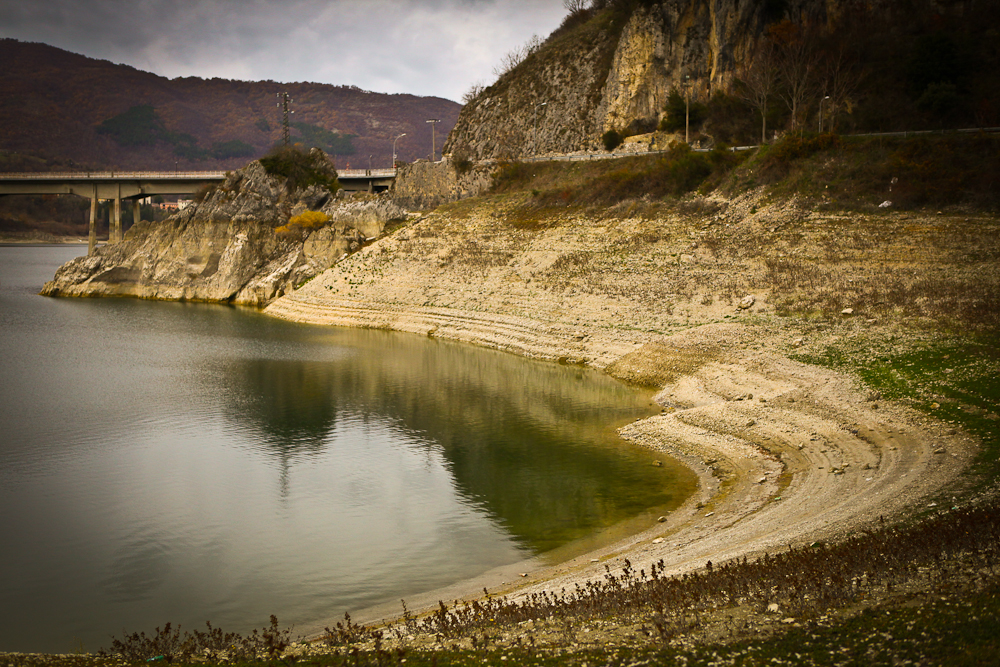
786,453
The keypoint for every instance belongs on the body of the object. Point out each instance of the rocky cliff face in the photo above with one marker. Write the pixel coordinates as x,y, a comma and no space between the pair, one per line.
225,248
618,68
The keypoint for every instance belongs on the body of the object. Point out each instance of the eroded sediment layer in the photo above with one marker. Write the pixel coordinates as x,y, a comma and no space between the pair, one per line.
787,453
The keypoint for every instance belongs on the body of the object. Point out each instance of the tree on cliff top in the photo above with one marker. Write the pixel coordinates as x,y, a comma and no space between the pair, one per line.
301,169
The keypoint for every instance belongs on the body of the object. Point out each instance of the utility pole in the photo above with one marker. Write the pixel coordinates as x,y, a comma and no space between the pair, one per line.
283,102
434,122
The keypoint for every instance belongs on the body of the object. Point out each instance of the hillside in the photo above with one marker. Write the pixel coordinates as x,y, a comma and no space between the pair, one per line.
626,66
68,109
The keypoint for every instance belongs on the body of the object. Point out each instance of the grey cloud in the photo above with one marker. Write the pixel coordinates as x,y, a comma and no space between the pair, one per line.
435,47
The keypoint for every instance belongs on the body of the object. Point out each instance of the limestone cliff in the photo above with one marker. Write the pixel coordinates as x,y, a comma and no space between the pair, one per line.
618,68
225,248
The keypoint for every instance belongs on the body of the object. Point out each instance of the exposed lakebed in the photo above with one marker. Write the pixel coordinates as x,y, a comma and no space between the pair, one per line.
179,462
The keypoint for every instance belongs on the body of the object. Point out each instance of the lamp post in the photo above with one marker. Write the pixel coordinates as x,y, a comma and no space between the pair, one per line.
394,148
434,122
534,141
687,109
821,113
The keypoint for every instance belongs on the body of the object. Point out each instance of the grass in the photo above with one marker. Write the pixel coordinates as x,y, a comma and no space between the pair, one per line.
605,183
950,378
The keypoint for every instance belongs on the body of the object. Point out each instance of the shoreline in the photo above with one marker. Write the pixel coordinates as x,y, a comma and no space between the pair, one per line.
786,454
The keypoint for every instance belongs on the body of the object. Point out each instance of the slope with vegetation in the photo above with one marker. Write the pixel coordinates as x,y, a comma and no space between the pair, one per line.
66,107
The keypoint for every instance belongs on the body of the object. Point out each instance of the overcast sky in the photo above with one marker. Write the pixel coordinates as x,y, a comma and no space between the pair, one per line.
424,47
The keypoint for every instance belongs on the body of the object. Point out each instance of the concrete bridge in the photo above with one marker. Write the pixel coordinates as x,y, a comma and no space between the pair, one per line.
366,180
137,185
113,185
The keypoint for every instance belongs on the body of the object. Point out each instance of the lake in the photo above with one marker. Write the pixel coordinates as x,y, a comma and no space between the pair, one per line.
189,463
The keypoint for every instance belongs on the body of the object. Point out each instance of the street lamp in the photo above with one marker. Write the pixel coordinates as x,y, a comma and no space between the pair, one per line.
534,141
433,122
394,148
821,113
687,108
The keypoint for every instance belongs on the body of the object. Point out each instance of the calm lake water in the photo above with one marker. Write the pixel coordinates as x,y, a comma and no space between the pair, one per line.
178,462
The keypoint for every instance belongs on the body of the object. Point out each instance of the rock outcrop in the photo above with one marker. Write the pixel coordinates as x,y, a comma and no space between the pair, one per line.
424,185
616,70
225,248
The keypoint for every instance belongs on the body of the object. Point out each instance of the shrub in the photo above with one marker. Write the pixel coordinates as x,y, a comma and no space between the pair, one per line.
301,169
775,161
729,120
679,112
306,220
612,139
461,158
310,219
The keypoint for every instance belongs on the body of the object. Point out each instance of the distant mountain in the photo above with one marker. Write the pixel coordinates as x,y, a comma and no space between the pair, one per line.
74,109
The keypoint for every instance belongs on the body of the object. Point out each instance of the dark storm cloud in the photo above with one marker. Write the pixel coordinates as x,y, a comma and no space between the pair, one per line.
429,47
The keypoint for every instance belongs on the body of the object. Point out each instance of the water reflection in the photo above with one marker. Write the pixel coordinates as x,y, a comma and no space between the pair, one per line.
533,444
181,462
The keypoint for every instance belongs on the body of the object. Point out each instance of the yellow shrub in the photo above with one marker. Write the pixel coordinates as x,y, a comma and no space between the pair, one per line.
306,220
310,219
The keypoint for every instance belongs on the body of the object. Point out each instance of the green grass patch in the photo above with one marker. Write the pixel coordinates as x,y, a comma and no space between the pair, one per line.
956,380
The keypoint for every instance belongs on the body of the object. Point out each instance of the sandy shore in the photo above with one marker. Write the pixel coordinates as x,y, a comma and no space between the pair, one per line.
786,453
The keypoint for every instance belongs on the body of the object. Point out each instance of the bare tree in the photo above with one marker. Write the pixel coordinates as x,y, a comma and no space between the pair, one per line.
757,79
575,6
517,56
472,93
842,75
797,64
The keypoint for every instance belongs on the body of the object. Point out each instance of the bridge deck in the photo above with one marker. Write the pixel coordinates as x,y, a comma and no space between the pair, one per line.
84,176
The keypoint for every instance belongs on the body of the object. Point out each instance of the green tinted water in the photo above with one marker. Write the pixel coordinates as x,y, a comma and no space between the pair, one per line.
176,462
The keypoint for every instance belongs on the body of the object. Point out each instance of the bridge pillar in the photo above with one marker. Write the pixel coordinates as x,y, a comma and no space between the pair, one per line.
92,236
136,212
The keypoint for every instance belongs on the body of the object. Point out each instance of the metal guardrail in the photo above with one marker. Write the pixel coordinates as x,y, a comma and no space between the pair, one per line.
914,133
366,173
581,157
113,175
612,156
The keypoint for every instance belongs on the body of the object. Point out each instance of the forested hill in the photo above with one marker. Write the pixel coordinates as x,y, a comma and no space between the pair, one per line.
70,109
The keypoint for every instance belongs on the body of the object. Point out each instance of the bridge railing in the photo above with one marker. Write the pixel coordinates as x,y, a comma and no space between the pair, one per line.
111,175
366,173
